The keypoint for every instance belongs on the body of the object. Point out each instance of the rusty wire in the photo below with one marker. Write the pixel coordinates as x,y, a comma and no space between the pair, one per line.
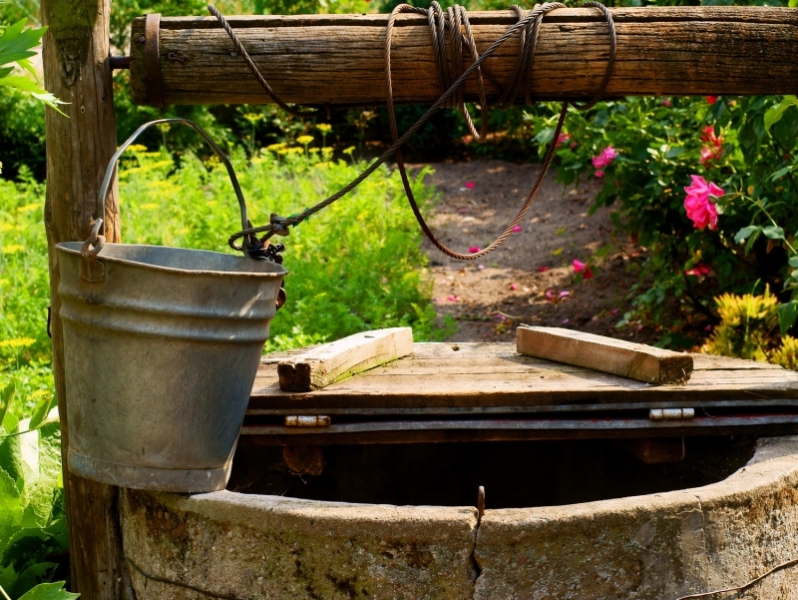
451,82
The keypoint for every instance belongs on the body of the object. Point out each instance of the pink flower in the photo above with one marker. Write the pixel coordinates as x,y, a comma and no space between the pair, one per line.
501,317
667,103
470,185
605,158
701,210
599,173
516,229
513,287
584,268
561,139
565,321
550,295
542,269
708,154
453,298
564,294
698,270
473,249
712,99
708,135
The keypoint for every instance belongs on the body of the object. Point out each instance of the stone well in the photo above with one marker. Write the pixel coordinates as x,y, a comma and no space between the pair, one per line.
657,546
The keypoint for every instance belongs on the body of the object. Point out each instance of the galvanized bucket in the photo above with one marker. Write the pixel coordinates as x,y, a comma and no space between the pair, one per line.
161,350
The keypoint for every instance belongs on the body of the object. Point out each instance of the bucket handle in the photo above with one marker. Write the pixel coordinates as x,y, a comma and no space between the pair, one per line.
249,244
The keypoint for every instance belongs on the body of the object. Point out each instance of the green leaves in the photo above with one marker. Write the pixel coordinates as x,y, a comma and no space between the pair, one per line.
6,396
774,114
49,591
788,312
32,525
16,46
773,232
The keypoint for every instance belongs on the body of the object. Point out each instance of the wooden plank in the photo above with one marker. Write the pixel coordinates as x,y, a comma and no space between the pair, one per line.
76,70
338,59
418,381
608,355
323,365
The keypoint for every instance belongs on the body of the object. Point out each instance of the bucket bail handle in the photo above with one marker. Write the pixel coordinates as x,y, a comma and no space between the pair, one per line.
251,246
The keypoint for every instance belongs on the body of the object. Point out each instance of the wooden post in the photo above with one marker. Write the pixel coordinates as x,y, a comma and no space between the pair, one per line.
76,70
338,59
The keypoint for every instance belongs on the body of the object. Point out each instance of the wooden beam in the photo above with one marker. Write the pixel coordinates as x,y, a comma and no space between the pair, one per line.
608,355
323,365
76,70
338,59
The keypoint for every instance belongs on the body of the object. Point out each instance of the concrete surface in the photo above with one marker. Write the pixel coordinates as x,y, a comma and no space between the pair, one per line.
659,546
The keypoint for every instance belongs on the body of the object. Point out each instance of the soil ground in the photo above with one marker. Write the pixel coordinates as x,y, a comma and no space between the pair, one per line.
531,278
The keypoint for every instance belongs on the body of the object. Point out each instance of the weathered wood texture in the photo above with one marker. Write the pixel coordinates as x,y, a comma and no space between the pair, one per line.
495,375
600,353
338,59
323,365
76,70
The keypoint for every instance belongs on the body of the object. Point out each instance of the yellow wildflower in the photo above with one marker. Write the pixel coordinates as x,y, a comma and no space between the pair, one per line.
13,249
324,127
29,207
17,343
304,139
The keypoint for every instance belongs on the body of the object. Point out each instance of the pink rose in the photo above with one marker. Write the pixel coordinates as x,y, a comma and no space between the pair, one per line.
605,158
473,249
599,173
698,270
561,139
701,210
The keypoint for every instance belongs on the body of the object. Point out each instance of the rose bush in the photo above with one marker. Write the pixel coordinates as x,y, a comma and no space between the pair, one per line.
706,185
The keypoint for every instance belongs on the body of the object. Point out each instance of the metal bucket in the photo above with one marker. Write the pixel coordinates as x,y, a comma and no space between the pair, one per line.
161,350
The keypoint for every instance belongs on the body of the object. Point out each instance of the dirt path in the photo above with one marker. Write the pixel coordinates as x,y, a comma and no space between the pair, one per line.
530,279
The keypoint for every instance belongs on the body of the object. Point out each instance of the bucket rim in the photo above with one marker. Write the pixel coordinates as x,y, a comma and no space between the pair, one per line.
74,248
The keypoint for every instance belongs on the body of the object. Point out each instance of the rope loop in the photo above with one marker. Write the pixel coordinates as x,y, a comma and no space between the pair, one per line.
452,77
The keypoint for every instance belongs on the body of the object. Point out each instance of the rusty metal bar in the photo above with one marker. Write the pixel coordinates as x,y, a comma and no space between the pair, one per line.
506,410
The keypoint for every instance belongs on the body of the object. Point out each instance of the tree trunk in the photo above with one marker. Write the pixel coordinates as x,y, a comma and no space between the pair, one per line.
338,59
76,70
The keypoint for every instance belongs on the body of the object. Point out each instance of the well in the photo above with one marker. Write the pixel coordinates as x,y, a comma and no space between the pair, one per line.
656,546
588,495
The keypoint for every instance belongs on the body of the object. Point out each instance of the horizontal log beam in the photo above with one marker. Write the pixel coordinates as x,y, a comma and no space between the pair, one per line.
338,59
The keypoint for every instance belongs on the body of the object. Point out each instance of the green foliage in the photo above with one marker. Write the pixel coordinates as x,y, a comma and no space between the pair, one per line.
16,47
32,520
354,266
660,145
